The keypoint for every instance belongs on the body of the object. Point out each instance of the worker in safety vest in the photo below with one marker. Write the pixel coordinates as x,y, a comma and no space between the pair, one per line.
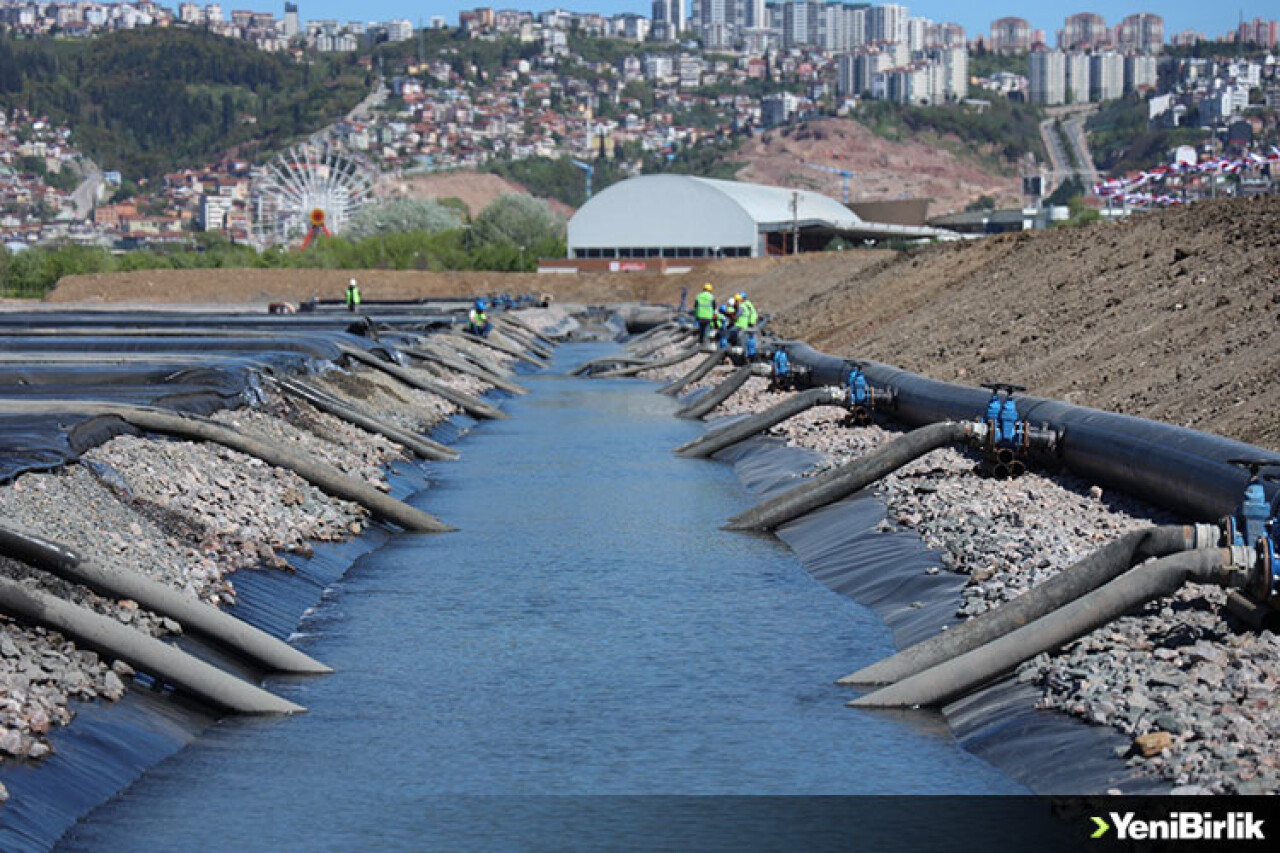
704,310
744,324
478,321
353,295
728,313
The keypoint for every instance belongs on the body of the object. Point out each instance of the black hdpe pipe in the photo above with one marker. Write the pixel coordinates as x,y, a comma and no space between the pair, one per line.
494,345
831,486
195,616
683,355
1079,579
423,448
600,365
516,335
1148,582
640,339
473,406
718,439
329,480
704,367
659,343
141,651
521,323
458,365
1174,467
717,395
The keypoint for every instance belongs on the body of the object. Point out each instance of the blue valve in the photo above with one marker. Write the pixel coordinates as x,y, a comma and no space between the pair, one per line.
1257,521
859,390
1007,428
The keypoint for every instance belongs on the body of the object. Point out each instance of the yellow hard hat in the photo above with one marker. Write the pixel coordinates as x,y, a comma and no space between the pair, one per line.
739,297
707,286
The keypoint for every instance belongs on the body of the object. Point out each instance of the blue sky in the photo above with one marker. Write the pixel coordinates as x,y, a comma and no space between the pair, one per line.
1207,17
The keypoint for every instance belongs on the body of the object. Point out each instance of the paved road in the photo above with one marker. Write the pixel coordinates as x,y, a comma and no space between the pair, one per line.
1073,119
85,195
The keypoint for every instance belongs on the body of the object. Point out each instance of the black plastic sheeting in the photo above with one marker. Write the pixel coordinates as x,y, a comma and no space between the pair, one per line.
197,370
427,318
1180,469
888,571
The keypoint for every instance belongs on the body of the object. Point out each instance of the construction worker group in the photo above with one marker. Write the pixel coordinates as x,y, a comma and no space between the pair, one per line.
732,324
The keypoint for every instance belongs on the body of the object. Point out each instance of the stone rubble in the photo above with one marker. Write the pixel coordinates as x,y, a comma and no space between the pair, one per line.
1181,667
191,515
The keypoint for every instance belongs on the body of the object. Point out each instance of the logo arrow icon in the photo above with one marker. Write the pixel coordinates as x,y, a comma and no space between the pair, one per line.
1102,825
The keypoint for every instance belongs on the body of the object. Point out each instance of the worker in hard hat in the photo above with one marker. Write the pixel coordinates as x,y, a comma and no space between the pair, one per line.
725,315
353,296
478,320
744,324
704,310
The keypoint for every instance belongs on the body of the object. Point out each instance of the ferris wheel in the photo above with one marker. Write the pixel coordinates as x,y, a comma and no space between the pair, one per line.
310,189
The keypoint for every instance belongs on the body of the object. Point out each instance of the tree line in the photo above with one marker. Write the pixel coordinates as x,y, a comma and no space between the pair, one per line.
153,100
509,235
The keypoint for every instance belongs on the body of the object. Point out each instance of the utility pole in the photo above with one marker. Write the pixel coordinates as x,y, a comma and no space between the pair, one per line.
795,222
589,169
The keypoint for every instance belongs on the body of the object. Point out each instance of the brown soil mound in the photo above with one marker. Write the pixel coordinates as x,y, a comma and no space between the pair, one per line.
944,171
1169,316
237,287
476,190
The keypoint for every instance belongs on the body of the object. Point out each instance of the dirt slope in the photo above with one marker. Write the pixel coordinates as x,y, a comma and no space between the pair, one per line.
1172,315
884,169
476,190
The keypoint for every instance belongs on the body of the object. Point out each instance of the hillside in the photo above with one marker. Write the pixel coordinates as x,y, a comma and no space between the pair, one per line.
476,190
1171,315
151,100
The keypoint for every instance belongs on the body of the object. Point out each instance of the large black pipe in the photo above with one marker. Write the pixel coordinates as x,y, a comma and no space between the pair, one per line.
194,615
837,483
1148,582
143,652
1178,468
1081,578
717,395
419,445
670,361
473,406
704,367
718,439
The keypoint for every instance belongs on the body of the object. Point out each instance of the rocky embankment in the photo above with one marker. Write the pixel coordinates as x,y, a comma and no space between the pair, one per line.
192,515
1193,689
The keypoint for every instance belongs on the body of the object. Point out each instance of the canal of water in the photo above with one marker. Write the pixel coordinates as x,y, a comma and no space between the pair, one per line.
589,630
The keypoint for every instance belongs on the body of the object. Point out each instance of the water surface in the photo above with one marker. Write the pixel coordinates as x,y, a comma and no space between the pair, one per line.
589,630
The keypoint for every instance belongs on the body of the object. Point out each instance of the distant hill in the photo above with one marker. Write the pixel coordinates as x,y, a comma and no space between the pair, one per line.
152,100
944,169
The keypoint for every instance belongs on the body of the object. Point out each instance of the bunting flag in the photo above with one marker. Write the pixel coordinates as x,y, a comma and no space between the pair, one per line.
1123,189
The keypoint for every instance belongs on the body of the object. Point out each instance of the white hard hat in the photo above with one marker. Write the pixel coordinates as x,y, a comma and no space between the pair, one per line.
353,281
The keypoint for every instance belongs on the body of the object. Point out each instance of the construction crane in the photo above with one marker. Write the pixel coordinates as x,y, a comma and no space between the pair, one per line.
589,169
844,173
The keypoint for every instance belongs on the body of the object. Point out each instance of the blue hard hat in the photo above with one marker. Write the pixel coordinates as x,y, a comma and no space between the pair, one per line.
481,305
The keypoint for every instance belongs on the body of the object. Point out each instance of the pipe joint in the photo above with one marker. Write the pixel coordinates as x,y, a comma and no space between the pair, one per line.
1206,536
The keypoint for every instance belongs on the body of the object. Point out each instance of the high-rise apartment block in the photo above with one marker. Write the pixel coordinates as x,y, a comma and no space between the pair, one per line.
1084,31
887,23
1077,65
1139,72
1143,32
1010,35
1106,76
1047,77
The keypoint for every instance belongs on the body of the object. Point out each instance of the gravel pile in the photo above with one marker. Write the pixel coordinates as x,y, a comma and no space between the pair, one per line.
189,515
1193,689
